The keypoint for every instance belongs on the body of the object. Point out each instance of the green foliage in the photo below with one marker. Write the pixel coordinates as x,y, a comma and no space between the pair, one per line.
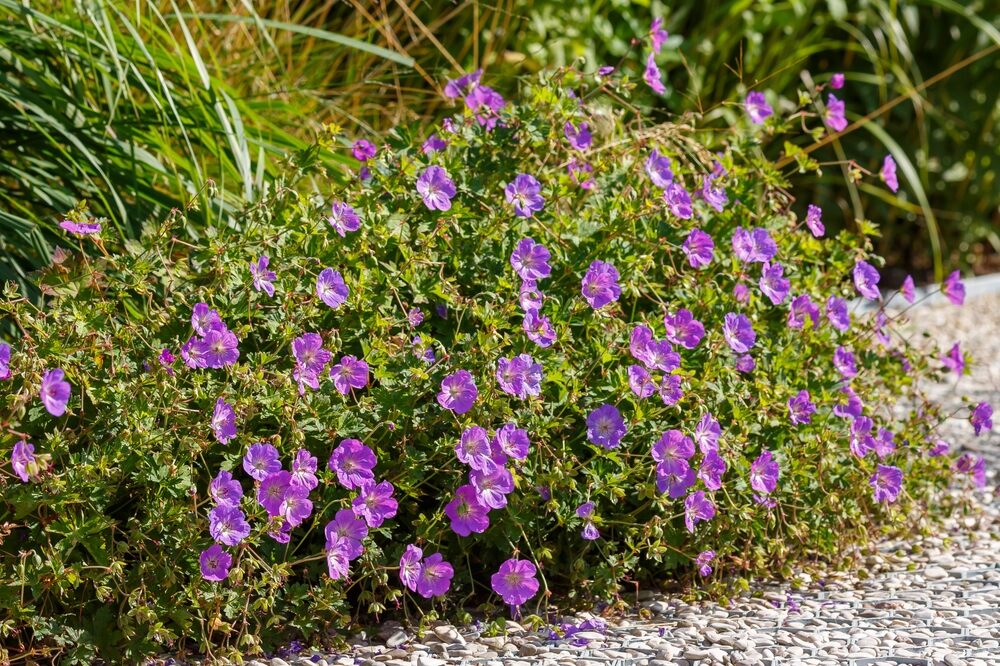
99,553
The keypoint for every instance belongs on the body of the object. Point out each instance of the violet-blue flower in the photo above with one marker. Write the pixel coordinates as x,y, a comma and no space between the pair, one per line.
866,279
434,578
530,260
739,332
652,75
605,426
436,188
707,433
458,392
835,113
814,220
886,483
982,418
23,461
261,277
713,467
578,137
515,581
228,525
800,408
714,196
697,508
539,329
764,473
773,283
513,441
757,107
353,462
888,173
467,513
215,563
375,503
838,314
600,284
261,460
55,392
801,308
953,288
304,470
658,169
640,381
525,193
271,492
223,421
225,490
678,200
348,374
331,288
683,329
343,218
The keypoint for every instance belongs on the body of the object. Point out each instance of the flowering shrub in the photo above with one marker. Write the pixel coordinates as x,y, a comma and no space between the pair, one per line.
547,348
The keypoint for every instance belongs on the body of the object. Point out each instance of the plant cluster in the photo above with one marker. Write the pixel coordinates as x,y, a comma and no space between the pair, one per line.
545,348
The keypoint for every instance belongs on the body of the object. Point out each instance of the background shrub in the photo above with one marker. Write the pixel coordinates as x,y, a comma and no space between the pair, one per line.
101,547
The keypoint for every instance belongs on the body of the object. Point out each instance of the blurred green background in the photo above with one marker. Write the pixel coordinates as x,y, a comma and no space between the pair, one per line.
135,105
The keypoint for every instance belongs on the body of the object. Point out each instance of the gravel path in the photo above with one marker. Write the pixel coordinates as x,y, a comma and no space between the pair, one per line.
928,601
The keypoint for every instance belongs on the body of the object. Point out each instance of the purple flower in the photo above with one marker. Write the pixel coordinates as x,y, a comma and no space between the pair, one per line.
678,200
215,563
652,75
515,581
458,392
261,276
845,363
310,359
674,477
954,289
640,381
435,576
714,196
337,563
802,307
670,389
346,532
939,449
519,376
907,290
606,427
55,392
433,144
888,173
353,462
585,510
343,218
415,317
754,245
531,260
530,297
739,332
800,408
223,421
673,445
474,450
590,531
513,441
861,440
707,434
741,293
764,473
363,150
814,220
5,361
974,466
486,104
654,354
697,507
204,319
539,329
579,172
461,86
436,188
683,329
837,81
982,418
866,280
657,34
954,360
884,443
773,284
225,490
410,566
578,138
467,513
219,348
261,461
80,229
838,314
852,408
304,470
658,169
228,525
711,471
757,107
835,113
886,483
600,285
525,193
702,562
272,490
22,460
375,503
349,373
745,363
331,288
492,486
